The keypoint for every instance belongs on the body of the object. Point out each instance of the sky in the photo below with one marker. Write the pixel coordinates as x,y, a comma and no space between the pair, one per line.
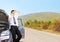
30,6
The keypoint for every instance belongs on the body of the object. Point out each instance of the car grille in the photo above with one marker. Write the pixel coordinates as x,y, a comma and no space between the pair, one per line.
5,40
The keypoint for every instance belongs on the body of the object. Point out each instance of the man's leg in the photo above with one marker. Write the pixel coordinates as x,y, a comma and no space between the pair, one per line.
13,34
18,34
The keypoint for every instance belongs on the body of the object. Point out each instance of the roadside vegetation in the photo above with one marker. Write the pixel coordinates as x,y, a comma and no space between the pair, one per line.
48,26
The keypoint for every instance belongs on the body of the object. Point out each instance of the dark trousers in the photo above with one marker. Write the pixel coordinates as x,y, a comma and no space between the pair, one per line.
14,30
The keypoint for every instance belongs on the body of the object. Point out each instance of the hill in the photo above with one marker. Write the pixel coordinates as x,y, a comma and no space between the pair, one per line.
42,16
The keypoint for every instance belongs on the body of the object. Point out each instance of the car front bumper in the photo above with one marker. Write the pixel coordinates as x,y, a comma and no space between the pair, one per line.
4,39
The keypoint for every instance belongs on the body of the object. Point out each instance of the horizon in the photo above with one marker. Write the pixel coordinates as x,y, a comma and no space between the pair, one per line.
41,12
30,6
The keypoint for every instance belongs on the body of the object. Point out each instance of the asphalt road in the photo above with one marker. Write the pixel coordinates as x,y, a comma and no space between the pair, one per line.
32,35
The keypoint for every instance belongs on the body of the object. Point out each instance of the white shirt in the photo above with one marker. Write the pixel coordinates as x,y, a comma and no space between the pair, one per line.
11,20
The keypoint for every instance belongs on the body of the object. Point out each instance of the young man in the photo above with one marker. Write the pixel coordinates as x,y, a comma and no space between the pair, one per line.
13,19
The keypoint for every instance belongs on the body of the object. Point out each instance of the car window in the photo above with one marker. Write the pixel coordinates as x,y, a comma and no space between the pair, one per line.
20,22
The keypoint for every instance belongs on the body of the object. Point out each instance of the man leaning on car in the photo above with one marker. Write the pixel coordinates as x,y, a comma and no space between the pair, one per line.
13,20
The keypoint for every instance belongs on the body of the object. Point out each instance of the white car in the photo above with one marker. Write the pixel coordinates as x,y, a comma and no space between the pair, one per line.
6,36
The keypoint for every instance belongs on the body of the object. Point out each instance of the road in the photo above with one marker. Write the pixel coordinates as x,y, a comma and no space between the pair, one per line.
32,35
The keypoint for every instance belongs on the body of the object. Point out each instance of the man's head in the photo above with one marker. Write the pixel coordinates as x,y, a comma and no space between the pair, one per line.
12,12
15,12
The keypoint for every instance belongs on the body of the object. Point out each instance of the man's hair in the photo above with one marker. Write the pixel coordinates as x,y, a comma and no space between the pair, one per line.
12,11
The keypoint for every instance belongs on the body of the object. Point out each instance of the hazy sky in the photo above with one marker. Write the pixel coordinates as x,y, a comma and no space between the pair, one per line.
30,6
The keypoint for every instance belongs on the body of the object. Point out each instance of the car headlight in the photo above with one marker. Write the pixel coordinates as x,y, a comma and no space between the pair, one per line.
5,33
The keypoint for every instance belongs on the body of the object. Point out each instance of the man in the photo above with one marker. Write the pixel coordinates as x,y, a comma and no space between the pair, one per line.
14,26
